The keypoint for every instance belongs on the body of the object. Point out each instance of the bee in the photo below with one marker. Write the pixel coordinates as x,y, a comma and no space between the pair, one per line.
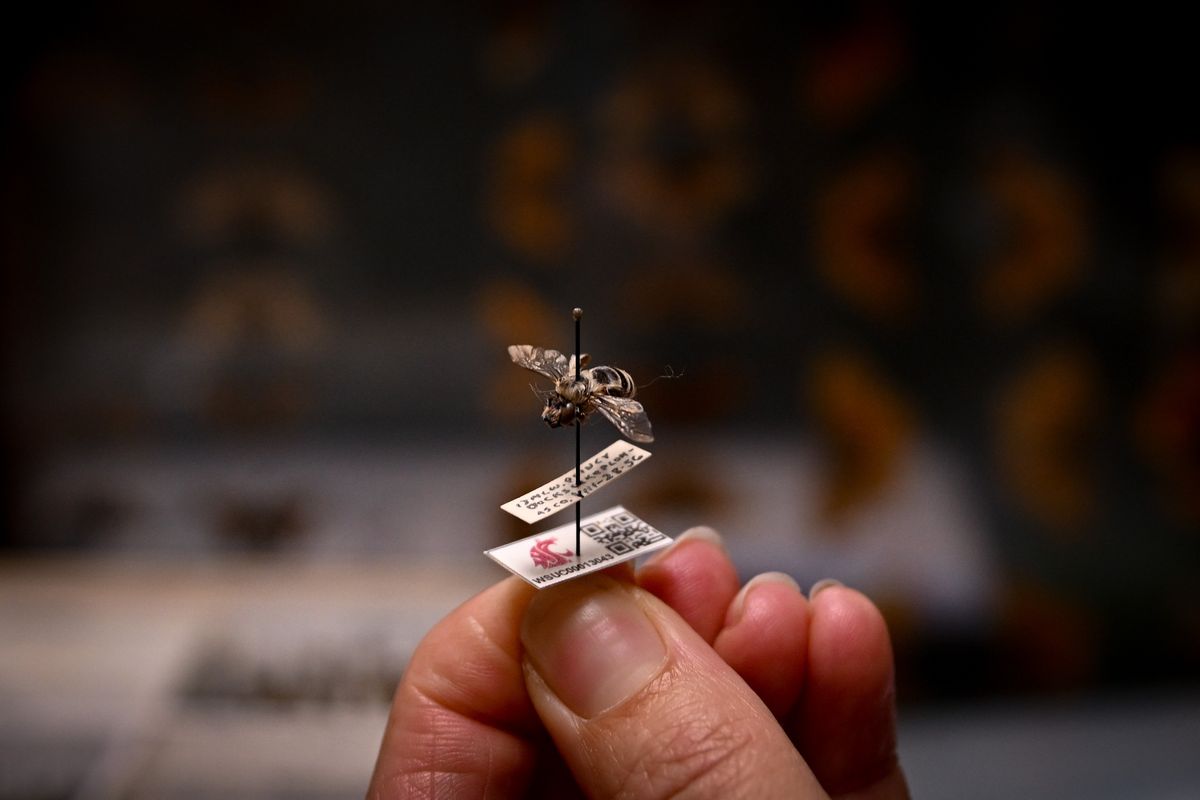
579,390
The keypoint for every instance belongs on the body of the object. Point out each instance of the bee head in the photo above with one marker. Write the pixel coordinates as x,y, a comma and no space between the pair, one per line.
558,412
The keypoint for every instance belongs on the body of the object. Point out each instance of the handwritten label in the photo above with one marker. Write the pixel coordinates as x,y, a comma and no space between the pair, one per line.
606,539
609,464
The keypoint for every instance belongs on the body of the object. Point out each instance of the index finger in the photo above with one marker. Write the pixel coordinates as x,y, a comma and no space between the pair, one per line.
461,723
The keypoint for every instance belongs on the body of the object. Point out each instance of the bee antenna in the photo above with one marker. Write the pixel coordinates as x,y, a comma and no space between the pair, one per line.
670,374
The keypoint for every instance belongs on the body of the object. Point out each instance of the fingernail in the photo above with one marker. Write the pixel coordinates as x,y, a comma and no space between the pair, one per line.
738,607
822,585
592,644
701,533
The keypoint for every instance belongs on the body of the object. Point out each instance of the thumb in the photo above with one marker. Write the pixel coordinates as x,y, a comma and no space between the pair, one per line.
640,706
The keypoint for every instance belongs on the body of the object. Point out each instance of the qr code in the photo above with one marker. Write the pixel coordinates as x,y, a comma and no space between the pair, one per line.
622,533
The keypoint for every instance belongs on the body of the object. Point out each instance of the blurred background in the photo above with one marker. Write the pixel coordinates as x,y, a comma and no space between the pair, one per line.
921,294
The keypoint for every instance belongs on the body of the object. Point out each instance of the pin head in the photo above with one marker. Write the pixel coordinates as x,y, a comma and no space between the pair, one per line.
576,313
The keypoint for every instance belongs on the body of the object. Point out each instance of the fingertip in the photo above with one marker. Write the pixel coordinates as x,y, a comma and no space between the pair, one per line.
737,607
473,650
695,577
765,636
845,721
849,634
822,585
461,718
698,533
703,533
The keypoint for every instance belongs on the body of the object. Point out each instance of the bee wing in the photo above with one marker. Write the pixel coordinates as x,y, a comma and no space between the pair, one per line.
550,363
584,360
628,415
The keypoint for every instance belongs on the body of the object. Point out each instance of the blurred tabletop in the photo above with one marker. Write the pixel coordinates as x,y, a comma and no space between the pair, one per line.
235,679
258,678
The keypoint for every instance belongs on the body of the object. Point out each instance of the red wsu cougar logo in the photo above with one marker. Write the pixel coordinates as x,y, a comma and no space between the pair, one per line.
544,557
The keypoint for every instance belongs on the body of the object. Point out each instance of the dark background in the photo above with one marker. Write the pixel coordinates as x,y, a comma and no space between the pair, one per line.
920,283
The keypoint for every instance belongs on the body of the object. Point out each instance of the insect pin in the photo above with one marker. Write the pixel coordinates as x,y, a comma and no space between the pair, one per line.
578,391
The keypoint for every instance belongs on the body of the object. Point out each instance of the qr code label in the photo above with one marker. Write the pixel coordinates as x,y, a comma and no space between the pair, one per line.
606,539
623,533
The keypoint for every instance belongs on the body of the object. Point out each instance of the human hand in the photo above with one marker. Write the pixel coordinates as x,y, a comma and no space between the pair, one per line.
670,682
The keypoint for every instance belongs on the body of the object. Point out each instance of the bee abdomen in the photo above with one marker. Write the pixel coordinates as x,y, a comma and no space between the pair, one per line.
615,381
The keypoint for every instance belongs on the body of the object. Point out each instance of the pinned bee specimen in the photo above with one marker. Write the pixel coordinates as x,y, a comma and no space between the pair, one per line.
578,391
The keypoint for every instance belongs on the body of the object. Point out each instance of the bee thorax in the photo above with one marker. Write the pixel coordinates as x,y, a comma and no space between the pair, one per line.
574,391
